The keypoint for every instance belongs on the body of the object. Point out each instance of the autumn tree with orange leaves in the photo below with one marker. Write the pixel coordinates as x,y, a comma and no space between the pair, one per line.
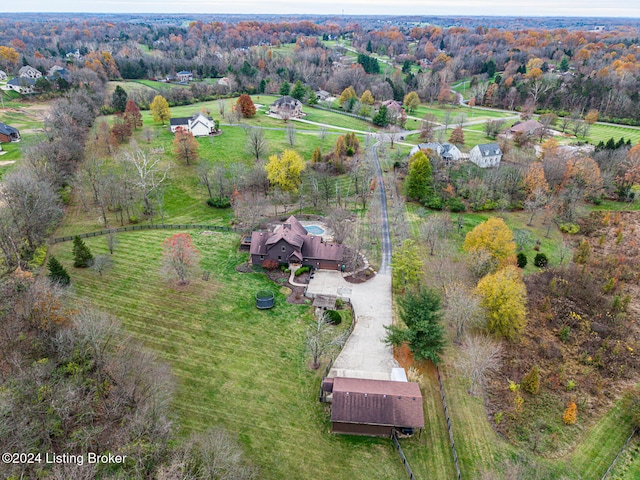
180,257
186,147
245,106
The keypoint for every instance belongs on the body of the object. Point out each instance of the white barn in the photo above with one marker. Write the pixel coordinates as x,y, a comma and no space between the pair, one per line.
486,155
199,125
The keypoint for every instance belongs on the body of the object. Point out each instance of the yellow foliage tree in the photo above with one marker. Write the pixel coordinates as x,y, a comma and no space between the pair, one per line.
411,101
347,94
534,180
494,237
160,109
504,297
285,171
591,117
367,97
9,56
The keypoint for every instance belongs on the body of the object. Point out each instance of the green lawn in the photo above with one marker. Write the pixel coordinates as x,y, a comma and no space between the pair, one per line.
235,366
599,132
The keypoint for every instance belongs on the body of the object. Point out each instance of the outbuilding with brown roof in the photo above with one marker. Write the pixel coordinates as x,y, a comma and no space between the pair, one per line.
375,407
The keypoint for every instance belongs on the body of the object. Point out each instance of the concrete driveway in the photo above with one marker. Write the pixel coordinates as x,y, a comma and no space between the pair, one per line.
364,355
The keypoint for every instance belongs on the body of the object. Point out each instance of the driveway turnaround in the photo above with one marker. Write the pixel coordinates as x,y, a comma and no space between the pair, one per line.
365,354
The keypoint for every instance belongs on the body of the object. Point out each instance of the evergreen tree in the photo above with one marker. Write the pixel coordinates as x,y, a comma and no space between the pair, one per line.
82,257
369,47
298,91
422,313
312,98
285,88
263,86
119,99
57,273
418,182
381,119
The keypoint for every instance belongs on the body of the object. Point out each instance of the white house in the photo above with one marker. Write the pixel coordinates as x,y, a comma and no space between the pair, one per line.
29,72
486,155
199,125
3,76
22,85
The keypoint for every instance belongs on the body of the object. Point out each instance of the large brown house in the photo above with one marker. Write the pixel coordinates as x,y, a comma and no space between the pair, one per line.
291,243
374,407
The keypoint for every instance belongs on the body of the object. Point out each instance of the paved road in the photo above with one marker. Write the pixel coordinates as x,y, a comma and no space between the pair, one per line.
385,266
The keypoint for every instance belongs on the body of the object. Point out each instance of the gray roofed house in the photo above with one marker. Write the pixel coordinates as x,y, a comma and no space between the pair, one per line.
199,125
8,133
375,407
22,84
286,107
486,155
291,243
447,151
29,72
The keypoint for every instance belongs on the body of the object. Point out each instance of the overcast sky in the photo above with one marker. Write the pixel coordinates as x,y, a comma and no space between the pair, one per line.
577,8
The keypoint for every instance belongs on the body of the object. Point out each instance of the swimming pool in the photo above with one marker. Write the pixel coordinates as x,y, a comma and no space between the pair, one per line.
314,229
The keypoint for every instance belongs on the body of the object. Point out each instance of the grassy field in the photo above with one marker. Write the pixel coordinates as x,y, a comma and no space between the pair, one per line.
235,366
599,132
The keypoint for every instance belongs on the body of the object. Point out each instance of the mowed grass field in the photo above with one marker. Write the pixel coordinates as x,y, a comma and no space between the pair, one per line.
235,366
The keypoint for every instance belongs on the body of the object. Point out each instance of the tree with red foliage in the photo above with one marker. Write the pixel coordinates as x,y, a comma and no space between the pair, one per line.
185,146
180,257
121,129
132,115
245,106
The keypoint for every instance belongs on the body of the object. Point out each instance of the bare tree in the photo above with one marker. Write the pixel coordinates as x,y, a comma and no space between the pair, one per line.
213,454
322,340
322,133
478,357
434,229
33,207
462,308
112,241
291,134
101,263
205,176
149,174
340,222
256,143
536,202
392,135
221,108
427,127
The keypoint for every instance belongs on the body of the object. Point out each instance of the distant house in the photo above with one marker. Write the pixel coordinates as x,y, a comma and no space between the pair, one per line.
224,82
199,125
447,151
286,107
8,133
291,243
75,54
322,95
374,407
57,70
486,155
22,85
185,76
529,128
29,72
3,76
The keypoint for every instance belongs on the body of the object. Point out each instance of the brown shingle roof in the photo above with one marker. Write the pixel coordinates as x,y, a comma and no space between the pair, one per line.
377,402
526,127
